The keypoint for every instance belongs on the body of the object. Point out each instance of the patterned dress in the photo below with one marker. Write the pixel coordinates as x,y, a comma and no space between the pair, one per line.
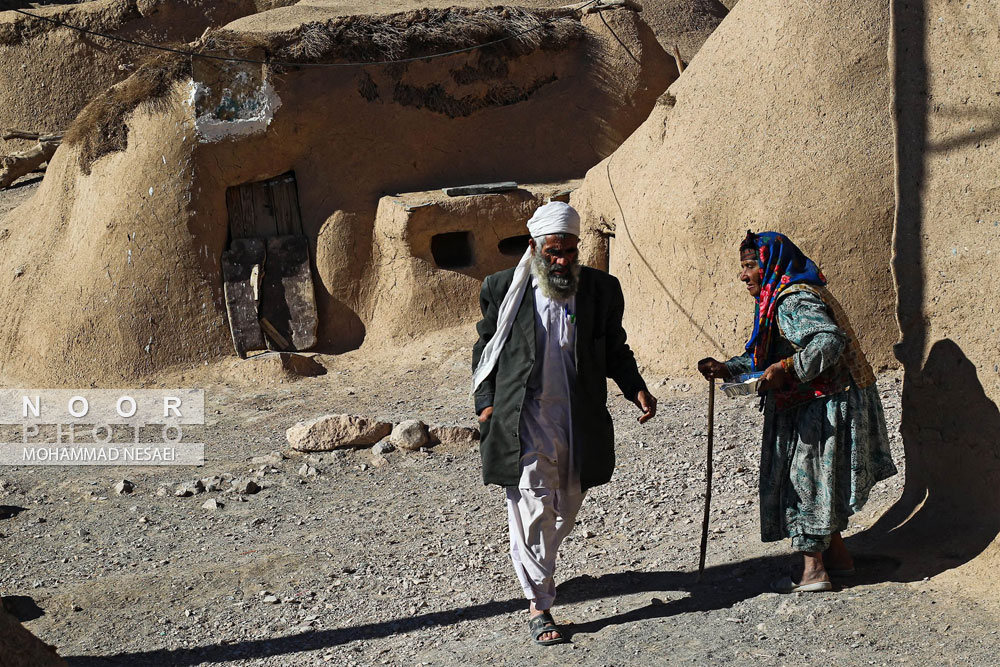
819,458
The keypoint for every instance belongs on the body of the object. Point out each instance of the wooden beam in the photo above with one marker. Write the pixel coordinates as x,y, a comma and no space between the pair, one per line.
273,334
602,5
239,273
13,167
677,59
11,133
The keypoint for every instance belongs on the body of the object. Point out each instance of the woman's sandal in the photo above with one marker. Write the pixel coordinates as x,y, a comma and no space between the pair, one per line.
542,623
786,585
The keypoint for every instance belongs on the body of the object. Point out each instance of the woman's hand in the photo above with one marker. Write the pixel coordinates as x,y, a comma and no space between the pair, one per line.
775,376
485,414
711,368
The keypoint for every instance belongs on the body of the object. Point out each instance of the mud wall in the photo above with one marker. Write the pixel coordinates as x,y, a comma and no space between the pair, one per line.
432,251
946,263
781,122
48,73
359,134
101,277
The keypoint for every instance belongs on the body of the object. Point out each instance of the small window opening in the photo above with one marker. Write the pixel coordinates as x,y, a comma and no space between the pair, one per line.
452,250
514,246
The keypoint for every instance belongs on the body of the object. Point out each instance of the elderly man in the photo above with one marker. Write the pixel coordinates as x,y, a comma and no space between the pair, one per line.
551,334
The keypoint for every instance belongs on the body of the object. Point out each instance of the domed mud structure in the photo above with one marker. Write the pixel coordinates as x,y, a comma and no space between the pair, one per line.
118,257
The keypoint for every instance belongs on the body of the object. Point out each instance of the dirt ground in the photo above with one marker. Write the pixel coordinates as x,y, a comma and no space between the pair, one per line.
406,563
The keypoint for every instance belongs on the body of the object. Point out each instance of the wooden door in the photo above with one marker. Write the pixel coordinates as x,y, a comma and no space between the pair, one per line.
266,215
265,208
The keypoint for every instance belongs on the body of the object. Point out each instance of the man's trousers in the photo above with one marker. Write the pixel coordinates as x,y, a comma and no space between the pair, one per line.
539,520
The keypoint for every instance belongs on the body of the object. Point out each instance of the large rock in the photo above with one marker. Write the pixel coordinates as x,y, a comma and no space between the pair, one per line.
781,122
462,436
410,435
331,431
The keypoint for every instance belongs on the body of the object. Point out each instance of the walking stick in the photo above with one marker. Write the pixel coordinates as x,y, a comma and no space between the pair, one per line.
708,478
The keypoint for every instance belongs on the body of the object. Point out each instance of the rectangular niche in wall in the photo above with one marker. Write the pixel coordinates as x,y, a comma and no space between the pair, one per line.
514,246
452,250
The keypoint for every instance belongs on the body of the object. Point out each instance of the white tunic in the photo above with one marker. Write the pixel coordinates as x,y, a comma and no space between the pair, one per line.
542,510
546,418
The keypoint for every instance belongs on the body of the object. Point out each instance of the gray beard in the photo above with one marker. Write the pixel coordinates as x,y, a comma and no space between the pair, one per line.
555,287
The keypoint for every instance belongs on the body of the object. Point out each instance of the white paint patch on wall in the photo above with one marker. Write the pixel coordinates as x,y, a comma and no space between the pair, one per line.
236,115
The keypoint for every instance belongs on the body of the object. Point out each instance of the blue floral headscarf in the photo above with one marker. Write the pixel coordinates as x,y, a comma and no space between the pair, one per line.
781,264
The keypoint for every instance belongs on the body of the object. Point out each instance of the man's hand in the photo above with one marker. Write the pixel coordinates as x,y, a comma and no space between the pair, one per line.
485,414
711,368
775,376
646,403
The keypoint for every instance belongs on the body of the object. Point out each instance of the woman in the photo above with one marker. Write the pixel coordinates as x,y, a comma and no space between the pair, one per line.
825,443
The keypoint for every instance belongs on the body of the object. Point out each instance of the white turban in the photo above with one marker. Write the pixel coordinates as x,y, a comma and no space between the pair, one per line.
556,217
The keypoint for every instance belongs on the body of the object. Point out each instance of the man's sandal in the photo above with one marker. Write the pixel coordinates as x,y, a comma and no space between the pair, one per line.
542,623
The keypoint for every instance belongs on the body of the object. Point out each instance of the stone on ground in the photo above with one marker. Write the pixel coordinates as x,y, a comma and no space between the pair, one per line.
213,483
331,431
190,488
454,435
410,435
245,487
383,447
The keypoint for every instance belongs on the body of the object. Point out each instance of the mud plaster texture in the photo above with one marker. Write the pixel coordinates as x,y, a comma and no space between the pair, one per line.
781,122
413,295
121,271
48,73
947,254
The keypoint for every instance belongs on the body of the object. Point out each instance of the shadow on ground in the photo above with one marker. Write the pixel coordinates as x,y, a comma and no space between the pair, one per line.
949,512
10,511
721,588
22,607
702,597
24,182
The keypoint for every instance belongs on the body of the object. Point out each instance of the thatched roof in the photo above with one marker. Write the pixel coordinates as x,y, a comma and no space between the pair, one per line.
425,32
101,127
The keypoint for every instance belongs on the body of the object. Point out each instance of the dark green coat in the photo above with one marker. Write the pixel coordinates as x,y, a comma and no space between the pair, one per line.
601,353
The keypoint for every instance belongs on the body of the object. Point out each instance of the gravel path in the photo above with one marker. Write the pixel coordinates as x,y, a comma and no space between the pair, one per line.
406,563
